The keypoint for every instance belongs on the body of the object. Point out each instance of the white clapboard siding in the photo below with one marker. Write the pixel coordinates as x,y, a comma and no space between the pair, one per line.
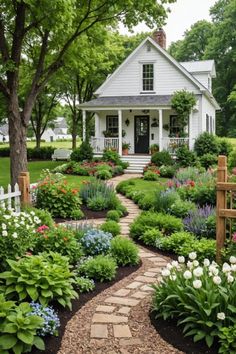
11,199
167,77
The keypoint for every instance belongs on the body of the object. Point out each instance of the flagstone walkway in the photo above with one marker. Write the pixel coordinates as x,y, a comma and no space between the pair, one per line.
117,321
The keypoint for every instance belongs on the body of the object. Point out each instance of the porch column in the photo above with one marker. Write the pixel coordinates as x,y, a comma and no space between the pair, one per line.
97,126
120,131
160,130
84,125
190,129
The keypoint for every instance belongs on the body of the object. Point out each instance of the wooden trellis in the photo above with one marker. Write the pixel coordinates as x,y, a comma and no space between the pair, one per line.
224,205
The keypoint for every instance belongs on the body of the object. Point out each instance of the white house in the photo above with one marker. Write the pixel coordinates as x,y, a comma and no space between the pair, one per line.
4,134
135,101
59,132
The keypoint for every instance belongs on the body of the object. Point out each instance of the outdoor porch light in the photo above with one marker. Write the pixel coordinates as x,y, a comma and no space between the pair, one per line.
127,122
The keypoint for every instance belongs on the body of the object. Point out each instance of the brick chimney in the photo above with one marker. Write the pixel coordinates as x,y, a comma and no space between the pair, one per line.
159,37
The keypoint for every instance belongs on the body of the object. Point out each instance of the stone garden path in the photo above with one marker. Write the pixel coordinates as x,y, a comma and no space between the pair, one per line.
116,321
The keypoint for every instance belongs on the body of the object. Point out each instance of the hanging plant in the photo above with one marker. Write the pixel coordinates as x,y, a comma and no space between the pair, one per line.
183,102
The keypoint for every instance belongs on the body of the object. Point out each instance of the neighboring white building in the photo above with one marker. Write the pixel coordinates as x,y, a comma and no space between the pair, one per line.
4,135
59,132
136,99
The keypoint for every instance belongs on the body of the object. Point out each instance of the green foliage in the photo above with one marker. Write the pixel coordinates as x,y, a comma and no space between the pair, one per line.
181,208
112,156
103,174
167,171
206,143
96,203
113,215
44,216
227,340
150,176
151,237
162,158
146,201
147,220
232,159
112,227
43,153
83,153
100,268
208,160
176,242
124,251
185,157
57,197
18,328
58,239
122,210
46,278
225,146
201,296
77,214
165,199
84,285
183,102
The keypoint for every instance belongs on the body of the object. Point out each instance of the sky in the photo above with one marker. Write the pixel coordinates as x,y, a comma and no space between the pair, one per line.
183,14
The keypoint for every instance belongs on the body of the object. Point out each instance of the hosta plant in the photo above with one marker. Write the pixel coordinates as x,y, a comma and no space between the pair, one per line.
43,278
100,268
18,328
201,296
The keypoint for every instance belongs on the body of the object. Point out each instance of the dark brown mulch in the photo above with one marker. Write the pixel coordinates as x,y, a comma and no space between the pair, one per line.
52,344
173,335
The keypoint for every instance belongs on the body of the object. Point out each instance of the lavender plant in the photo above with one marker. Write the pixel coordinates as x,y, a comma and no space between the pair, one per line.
201,221
50,318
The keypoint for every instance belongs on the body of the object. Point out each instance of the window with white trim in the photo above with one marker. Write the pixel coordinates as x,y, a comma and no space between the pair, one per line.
207,123
148,77
112,125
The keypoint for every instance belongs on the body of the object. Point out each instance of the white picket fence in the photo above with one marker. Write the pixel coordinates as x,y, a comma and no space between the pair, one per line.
11,199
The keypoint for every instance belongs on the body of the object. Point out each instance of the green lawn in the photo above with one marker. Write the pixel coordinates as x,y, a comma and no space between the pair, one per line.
56,144
35,168
141,185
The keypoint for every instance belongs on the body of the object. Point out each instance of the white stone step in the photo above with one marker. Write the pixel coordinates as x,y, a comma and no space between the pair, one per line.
133,171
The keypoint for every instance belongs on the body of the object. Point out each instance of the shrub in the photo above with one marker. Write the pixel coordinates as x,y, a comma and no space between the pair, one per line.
84,285
97,194
111,155
146,201
201,222
147,220
123,186
51,321
122,210
208,160
117,170
206,143
150,176
194,294
165,199
232,159
227,339
162,158
167,171
124,251
204,194
113,215
112,227
96,242
84,152
225,147
17,234
57,197
103,174
59,239
100,268
181,208
77,214
4,151
18,328
185,157
96,203
176,242
45,278
151,237
44,216
43,153
188,174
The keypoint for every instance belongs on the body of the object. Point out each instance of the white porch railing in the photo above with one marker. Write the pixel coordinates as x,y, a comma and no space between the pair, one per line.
101,143
11,199
171,144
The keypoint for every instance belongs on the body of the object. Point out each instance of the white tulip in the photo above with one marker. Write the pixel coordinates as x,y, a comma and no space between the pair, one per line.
197,284
221,316
4,233
169,266
232,259
233,267
175,264
190,265
230,278
192,255
226,268
195,263
187,274
14,235
181,259
4,226
165,272
216,280
206,262
198,272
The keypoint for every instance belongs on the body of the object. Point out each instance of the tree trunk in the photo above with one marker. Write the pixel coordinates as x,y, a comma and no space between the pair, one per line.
38,141
18,148
74,130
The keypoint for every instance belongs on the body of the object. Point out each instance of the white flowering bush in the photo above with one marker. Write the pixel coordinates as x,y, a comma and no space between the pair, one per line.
17,233
202,296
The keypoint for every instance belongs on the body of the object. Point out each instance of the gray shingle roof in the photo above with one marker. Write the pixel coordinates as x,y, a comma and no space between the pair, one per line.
129,101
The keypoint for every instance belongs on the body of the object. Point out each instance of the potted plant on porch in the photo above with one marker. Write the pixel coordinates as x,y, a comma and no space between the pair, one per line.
125,148
154,148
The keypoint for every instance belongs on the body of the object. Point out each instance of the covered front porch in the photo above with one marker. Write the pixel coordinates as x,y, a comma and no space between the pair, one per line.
136,127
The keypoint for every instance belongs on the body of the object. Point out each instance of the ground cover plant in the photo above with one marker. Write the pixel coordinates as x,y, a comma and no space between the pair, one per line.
201,296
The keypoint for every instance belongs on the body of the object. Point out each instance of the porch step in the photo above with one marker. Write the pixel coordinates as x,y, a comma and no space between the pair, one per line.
136,163
133,171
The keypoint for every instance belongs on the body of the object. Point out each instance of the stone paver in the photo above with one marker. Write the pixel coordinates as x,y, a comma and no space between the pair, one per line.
122,331
122,292
99,331
104,318
122,301
124,310
150,274
134,285
146,288
105,308
139,295
145,279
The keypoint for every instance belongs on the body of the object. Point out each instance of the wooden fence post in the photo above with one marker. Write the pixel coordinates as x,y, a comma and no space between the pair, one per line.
220,204
24,186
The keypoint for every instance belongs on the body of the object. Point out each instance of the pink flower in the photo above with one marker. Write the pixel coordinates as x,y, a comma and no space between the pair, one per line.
234,237
234,171
42,228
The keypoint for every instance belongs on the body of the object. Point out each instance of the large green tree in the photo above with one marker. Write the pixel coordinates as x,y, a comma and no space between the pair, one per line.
216,40
52,26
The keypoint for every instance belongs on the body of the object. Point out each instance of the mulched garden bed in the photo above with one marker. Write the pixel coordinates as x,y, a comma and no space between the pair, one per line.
173,335
52,344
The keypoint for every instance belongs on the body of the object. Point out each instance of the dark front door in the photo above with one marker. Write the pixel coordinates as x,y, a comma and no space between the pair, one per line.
141,134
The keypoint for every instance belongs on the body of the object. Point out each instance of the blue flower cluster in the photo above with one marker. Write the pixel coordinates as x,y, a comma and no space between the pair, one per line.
50,317
96,242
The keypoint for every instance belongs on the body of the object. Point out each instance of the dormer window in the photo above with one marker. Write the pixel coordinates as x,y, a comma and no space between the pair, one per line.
148,77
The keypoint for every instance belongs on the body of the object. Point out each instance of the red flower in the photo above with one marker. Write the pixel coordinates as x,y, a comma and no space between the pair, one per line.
42,228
